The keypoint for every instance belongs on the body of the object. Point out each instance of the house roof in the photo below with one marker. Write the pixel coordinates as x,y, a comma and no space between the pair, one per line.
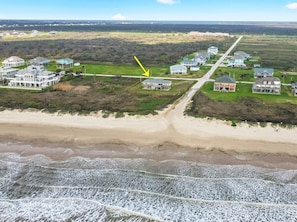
39,60
157,81
264,70
225,79
13,59
242,53
272,80
66,61
177,66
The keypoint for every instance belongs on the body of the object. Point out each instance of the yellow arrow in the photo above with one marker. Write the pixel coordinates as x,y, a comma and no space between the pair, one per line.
146,72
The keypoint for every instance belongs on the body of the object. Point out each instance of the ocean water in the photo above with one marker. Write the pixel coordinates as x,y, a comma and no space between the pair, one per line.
37,188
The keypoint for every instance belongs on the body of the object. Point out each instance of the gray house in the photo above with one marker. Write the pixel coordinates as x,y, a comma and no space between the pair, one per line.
267,85
156,84
202,57
178,69
294,88
189,62
263,72
242,54
39,61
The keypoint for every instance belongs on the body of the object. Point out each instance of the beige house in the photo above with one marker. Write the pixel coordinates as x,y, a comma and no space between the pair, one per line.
267,85
12,62
225,84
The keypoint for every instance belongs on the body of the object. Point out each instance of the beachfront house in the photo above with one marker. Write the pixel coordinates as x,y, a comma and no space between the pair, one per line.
33,77
294,88
225,84
64,63
156,84
39,61
213,50
178,69
267,85
263,72
12,62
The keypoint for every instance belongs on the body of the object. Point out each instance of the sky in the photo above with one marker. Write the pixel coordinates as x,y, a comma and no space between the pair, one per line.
157,10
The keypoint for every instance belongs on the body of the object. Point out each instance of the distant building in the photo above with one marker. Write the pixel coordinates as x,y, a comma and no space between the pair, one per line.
64,63
156,84
213,50
267,85
202,58
236,61
243,54
12,62
225,84
263,72
189,62
39,61
33,77
178,69
194,68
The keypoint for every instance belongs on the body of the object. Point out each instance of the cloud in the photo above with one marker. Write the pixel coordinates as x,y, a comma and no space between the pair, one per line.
292,6
119,16
168,2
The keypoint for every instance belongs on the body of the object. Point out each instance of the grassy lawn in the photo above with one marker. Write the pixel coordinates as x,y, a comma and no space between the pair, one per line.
130,70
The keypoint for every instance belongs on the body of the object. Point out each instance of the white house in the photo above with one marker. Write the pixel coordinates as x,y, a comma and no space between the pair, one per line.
213,50
189,62
7,73
178,69
236,61
12,62
34,77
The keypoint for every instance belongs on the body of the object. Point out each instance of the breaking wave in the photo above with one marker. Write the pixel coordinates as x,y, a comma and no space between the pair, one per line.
37,188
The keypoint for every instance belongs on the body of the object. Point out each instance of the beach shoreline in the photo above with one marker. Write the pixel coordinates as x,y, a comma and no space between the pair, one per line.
154,137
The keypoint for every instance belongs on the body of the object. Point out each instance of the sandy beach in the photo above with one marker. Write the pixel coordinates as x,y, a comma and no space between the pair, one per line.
149,136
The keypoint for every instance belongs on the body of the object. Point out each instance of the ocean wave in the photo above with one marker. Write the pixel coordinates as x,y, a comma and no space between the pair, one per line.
148,190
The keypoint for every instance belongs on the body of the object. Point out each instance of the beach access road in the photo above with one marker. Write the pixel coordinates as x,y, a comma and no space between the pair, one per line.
178,109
